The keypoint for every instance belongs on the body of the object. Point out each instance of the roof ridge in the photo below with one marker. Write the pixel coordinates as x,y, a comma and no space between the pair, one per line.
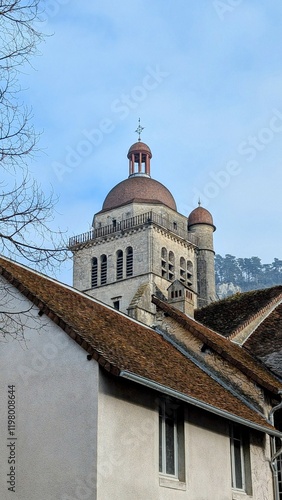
58,283
270,305
120,343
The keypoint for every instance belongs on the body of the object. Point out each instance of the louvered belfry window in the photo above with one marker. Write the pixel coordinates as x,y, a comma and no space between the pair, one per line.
119,268
104,265
129,261
94,272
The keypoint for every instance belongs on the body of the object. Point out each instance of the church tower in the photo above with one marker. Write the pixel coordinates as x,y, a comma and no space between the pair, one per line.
200,223
140,245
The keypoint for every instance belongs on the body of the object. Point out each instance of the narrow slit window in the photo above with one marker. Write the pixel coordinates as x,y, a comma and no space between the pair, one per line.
240,460
171,440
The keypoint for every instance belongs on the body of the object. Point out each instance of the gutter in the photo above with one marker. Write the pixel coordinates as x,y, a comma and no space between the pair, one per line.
195,402
275,454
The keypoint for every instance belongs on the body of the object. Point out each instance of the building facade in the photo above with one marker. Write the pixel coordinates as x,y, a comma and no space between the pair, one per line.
96,405
140,244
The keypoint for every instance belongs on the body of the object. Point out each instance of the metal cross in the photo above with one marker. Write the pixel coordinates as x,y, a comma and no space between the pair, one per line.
139,130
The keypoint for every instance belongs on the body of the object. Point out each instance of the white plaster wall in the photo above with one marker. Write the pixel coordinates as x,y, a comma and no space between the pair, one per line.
128,451
127,456
56,413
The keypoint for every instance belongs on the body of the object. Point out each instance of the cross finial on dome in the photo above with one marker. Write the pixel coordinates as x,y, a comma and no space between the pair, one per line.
199,202
139,130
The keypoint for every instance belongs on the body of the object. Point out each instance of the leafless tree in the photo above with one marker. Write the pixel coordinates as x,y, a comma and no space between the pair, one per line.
18,43
26,212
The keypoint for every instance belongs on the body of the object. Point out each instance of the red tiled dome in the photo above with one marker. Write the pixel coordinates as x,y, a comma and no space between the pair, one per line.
200,216
139,189
139,147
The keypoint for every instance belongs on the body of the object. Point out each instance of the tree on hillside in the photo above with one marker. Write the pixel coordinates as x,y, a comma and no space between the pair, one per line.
247,273
26,213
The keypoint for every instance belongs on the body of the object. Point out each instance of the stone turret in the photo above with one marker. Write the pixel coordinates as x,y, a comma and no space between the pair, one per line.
200,222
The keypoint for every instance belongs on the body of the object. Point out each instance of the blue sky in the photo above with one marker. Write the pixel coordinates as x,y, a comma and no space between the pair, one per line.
205,78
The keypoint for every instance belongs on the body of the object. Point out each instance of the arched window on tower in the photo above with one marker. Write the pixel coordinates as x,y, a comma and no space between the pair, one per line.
104,262
119,268
164,262
171,266
129,262
94,272
182,270
189,273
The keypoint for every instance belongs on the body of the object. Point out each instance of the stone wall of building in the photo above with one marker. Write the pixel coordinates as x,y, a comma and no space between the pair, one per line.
148,242
213,360
205,259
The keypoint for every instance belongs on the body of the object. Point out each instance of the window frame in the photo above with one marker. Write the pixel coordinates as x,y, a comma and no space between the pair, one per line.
173,411
240,472
167,413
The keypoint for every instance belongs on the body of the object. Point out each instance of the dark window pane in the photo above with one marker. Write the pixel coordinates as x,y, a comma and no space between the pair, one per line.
161,444
169,441
238,464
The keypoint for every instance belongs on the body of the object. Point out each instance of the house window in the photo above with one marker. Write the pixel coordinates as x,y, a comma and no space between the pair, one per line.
171,440
103,269
119,265
240,459
94,272
129,261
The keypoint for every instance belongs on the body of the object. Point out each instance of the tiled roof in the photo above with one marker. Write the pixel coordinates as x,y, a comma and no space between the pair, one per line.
119,343
227,315
138,188
266,341
228,350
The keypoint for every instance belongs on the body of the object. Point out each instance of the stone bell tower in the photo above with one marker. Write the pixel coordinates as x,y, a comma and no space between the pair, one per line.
200,223
139,244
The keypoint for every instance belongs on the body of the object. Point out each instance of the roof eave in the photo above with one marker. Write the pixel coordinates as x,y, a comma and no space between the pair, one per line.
268,429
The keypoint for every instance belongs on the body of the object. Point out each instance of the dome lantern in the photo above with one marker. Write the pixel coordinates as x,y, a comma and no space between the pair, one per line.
139,156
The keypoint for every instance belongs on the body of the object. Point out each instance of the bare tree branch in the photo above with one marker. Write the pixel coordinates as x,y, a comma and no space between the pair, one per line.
26,212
